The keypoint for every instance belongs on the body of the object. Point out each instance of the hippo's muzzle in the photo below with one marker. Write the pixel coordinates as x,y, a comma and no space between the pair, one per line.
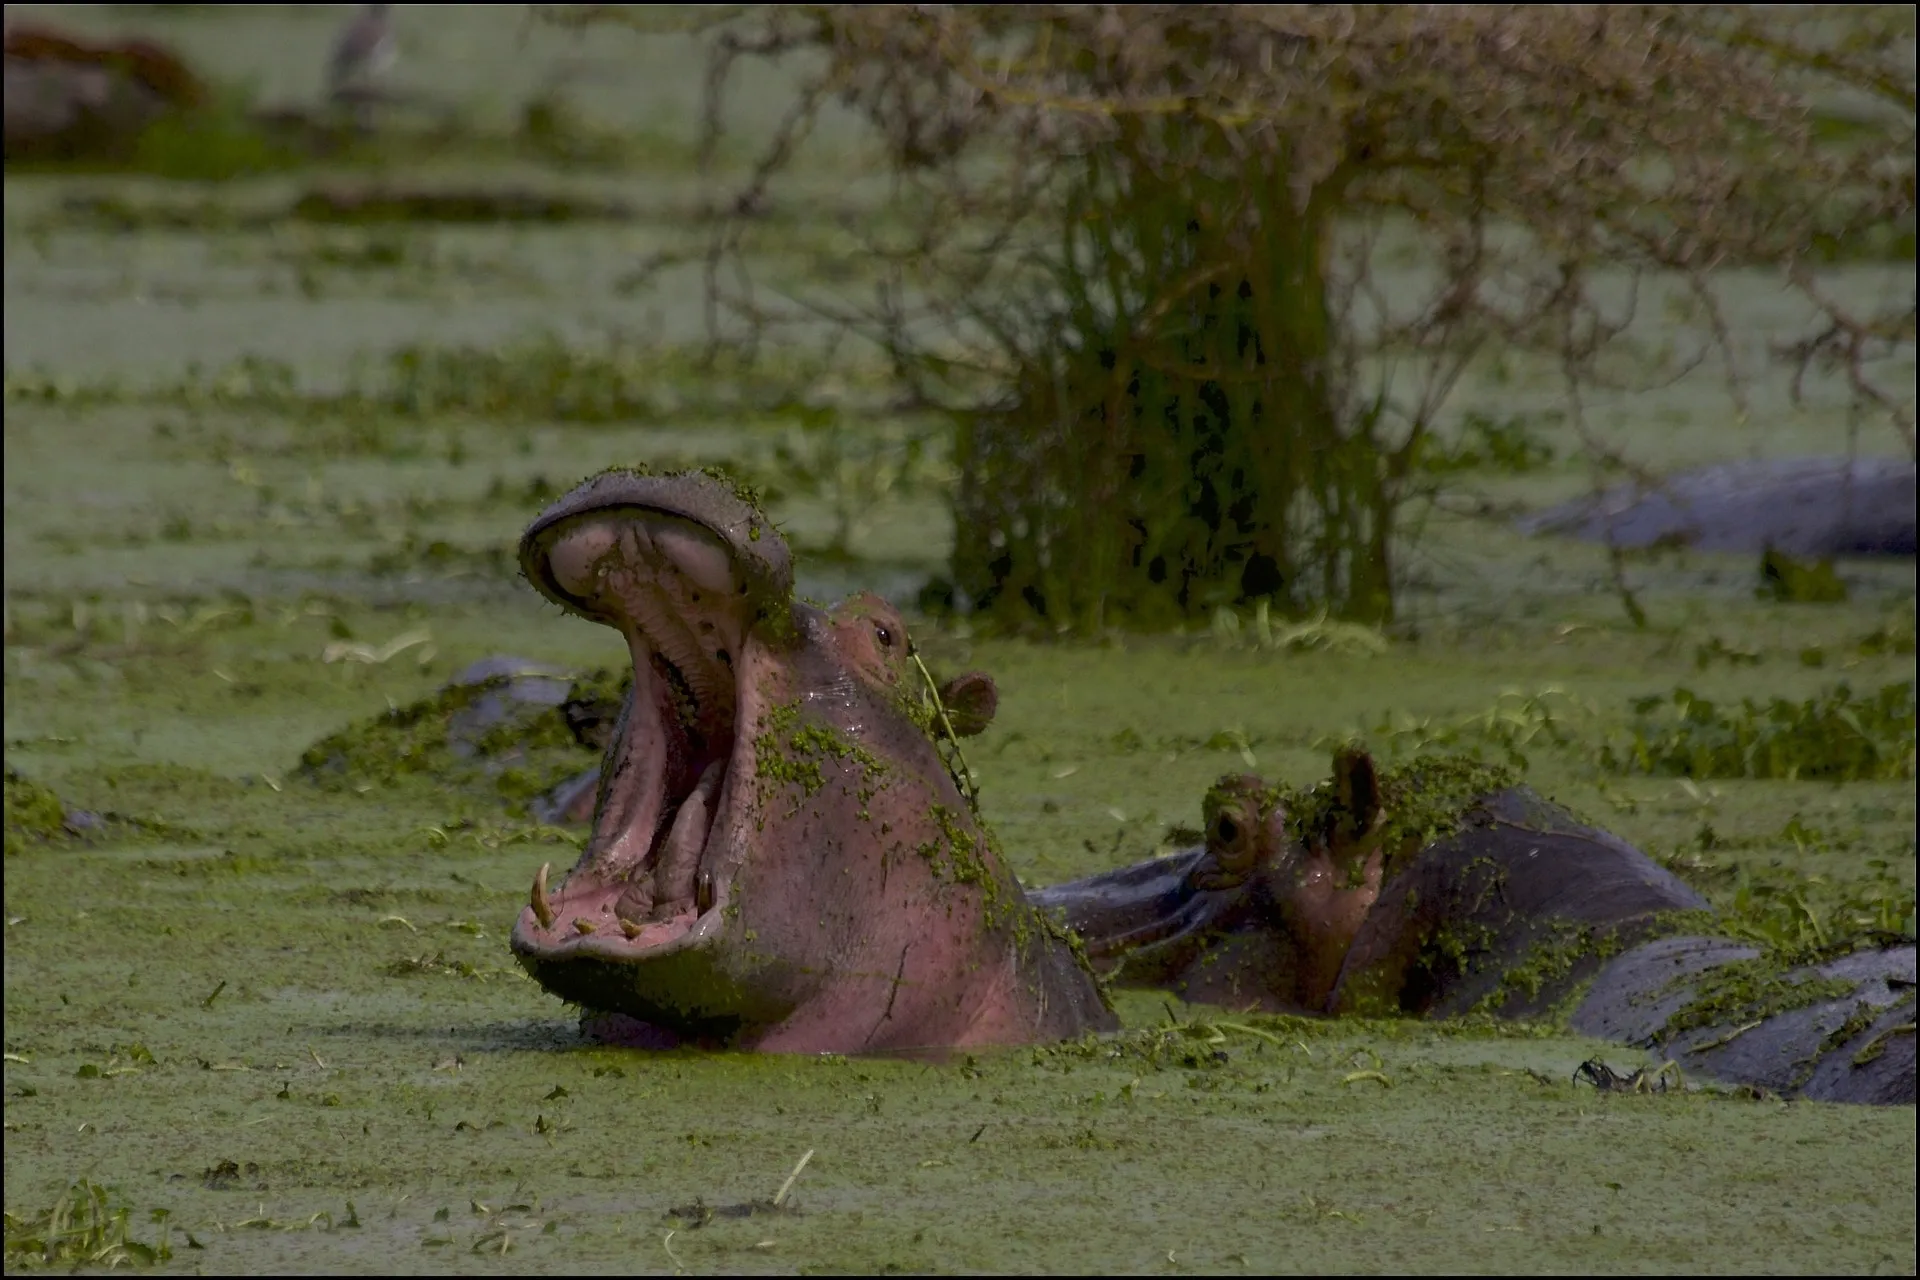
683,568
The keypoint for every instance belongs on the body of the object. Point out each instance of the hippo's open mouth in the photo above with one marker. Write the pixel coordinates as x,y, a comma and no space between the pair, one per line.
663,564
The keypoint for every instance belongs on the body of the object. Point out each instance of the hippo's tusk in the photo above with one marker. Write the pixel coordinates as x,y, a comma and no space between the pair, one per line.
674,879
542,909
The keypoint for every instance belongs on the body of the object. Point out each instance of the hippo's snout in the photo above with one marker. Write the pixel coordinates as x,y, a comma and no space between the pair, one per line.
711,531
682,567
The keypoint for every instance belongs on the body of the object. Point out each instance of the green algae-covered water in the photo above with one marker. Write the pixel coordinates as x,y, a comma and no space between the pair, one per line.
278,1023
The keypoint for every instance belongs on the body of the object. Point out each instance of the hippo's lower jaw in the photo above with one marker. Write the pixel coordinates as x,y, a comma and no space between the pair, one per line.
655,882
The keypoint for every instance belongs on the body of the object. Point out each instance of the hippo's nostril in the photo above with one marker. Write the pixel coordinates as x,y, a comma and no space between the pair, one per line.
1226,830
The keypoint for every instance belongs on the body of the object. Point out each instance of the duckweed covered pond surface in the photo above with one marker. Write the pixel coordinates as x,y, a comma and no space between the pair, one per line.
286,1016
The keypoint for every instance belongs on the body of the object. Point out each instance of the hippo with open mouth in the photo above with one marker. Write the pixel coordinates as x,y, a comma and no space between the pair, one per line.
1444,889
779,858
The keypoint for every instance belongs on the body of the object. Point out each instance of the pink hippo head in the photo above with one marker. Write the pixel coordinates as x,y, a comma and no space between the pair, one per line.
780,858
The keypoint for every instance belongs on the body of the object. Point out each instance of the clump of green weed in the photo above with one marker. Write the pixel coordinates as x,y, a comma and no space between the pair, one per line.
34,815
1835,736
1806,582
1319,632
1505,730
1510,445
218,141
1421,801
1893,636
1806,918
1718,650
82,1229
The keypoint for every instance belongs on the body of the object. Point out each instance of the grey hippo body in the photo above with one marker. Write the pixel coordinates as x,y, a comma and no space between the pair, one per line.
1819,508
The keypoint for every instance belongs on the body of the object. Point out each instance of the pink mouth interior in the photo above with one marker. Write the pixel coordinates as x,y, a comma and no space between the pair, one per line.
646,879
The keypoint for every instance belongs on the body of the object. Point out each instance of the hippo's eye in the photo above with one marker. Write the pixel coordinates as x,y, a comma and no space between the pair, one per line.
1226,830
886,636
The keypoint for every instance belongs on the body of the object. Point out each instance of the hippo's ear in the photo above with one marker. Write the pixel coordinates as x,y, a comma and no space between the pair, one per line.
1356,783
970,701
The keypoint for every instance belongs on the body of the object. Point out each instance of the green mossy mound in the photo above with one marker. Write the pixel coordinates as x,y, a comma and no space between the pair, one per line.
34,815
513,736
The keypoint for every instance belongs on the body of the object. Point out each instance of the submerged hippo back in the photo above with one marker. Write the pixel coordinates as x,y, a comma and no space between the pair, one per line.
1511,913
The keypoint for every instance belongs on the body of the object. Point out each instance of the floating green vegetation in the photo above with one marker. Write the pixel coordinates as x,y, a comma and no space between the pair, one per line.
414,553
34,815
542,380
1835,736
546,380
361,205
84,1229
338,204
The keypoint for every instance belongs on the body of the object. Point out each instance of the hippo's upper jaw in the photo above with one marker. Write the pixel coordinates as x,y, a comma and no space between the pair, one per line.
682,567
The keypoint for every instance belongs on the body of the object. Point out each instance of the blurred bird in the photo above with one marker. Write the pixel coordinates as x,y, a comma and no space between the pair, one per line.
362,52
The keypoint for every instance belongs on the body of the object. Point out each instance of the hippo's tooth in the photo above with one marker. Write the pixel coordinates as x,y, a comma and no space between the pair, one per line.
703,893
680,854
582,926
629,928
542,909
